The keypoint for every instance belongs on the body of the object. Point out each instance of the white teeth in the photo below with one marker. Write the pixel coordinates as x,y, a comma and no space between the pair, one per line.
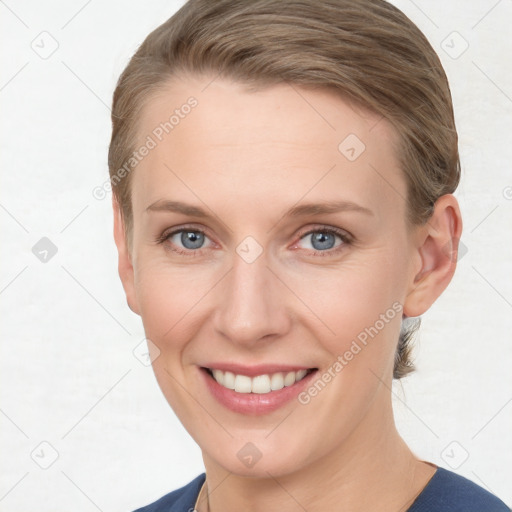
301,374
276,382
229,380
289,379
219,376
242,384
260,384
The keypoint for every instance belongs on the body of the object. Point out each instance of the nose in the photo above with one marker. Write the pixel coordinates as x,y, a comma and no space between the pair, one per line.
251,303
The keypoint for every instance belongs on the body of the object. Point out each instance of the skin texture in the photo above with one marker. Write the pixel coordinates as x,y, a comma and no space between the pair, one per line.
247,158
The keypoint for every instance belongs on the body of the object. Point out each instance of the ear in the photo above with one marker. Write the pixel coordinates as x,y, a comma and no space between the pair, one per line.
437,250
125,267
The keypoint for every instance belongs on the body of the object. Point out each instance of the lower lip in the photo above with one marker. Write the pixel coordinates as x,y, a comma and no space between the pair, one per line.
254,403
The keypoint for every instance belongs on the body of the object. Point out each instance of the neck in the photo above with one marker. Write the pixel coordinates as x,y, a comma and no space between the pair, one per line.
372,469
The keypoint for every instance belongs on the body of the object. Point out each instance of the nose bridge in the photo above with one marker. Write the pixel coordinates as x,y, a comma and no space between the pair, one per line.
250,304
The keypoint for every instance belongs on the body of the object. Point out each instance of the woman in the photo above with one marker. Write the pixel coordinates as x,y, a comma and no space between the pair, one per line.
283,178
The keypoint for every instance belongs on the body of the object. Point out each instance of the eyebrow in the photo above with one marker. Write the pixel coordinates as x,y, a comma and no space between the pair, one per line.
164,205
325,208
301,210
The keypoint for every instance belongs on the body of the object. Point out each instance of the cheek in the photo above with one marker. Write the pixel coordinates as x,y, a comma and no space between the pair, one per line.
352,297
166,297
170,302
359,315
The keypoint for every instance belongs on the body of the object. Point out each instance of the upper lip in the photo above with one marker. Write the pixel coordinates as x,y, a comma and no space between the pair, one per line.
253,370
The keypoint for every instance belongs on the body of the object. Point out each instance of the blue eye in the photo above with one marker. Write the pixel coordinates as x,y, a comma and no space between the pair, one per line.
191,242
191,239
323,240
185,241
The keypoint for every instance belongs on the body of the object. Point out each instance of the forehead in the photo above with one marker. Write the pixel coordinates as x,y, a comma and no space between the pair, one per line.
276,144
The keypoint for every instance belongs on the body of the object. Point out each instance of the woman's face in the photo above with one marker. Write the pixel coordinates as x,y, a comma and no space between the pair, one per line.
269,236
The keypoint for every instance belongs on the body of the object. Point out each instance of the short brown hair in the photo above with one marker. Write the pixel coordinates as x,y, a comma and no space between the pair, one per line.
367,50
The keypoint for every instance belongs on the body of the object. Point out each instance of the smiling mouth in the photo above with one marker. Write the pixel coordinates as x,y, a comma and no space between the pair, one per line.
259,384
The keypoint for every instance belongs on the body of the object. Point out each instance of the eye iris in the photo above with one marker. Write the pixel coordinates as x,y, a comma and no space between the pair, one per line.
192,239
325,240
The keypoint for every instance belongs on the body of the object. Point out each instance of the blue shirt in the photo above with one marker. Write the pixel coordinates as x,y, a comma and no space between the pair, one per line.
446,491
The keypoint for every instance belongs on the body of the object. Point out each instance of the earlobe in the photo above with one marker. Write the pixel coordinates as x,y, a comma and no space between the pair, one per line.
437,251
125,266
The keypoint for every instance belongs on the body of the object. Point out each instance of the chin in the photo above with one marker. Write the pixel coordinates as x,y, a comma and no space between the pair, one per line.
257,459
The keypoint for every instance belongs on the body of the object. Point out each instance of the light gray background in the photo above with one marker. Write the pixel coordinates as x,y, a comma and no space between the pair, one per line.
69,376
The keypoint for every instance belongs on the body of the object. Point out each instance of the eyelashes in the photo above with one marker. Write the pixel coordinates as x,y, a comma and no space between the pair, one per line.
166,239
345,239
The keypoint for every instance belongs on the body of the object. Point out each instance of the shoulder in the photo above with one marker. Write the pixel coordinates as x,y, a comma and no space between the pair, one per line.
449,492
180,500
